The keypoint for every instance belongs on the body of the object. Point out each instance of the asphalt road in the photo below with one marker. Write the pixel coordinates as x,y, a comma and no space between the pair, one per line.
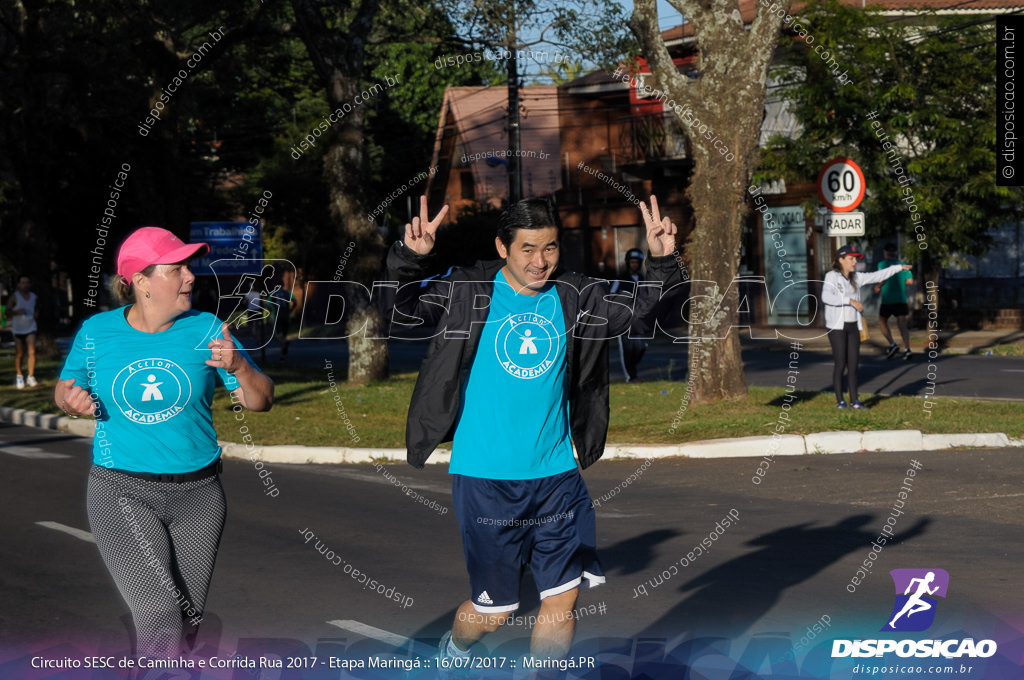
785,564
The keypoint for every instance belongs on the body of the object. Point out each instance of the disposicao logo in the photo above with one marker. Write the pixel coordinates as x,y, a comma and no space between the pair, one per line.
913,611
916,590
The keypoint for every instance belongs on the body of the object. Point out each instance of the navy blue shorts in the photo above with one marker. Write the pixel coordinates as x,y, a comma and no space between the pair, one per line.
546,523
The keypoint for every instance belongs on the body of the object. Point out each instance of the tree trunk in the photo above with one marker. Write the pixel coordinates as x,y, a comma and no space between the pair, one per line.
719,205
365,360
724,108
367,351
339,56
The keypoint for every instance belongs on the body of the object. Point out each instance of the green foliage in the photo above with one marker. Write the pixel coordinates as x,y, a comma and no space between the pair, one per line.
563,72
929,80
70,106
591,31
403,124
284,89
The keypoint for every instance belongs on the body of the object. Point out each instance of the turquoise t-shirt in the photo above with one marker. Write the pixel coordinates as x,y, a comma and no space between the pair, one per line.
513,420
894,289
154,391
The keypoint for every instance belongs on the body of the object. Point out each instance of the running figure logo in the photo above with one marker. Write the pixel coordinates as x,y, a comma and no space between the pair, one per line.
914,609
253,301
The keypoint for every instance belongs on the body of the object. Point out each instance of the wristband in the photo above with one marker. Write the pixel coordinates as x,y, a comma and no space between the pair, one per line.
63,407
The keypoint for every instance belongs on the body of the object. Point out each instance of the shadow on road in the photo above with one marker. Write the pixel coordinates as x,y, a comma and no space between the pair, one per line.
727,600
636,554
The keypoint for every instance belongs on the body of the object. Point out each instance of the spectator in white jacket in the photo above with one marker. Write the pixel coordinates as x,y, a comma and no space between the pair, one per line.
843,308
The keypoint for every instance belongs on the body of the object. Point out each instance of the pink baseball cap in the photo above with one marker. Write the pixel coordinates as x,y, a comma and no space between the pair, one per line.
153,245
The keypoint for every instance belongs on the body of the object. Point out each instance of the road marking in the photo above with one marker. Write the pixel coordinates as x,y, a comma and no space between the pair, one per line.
387,637
77,533
985,498
377,478
30,452
1012,370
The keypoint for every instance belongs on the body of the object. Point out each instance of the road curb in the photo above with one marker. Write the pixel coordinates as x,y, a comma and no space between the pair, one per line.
738,447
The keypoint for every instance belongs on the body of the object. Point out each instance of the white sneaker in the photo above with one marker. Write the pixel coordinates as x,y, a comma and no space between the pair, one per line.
19,382
32,381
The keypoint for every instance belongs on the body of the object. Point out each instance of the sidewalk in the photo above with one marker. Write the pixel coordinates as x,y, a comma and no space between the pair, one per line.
950,342
740,447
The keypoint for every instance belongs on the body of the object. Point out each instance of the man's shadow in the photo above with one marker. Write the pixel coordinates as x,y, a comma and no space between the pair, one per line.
732,597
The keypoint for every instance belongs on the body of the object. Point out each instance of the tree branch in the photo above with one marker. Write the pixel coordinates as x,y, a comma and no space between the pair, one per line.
644,24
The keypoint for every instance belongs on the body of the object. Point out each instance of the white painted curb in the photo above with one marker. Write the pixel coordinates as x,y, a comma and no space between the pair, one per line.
834,442
934,442
892,440
739,447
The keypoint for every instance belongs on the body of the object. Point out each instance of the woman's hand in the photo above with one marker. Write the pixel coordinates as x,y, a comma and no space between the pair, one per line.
857,305
255,390
72,399
223,351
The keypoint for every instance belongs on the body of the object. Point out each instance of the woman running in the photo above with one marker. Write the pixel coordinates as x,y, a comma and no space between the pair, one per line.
841,295
147,372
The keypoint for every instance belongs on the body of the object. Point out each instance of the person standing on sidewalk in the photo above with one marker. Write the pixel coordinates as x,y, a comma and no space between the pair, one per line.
631,350
514,384
147,371
894,302
844,318
23,311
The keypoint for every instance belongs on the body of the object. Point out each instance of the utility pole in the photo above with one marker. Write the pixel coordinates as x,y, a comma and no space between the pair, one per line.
515,173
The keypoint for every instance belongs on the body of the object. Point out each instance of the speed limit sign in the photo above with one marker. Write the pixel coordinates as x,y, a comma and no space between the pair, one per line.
841,185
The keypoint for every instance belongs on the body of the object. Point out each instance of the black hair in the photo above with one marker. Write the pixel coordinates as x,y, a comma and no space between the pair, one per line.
529,213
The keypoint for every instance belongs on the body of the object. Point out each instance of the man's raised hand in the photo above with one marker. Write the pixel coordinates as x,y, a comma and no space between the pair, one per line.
661,231
419,234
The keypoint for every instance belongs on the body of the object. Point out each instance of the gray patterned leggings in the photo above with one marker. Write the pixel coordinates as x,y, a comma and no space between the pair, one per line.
159,541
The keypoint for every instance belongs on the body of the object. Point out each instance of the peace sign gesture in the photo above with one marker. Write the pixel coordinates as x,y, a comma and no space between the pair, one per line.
419,235
661,231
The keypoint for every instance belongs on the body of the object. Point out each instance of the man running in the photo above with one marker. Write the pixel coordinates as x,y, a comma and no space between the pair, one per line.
516,375
894,302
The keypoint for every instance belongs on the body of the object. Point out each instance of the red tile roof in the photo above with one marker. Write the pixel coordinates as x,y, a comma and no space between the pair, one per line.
479,114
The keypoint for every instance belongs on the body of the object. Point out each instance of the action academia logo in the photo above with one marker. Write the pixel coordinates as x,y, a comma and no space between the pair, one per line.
915,611
151,391
526,345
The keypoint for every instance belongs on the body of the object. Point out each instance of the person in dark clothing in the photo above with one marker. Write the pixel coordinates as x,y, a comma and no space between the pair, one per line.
517,377
894,302
631,350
